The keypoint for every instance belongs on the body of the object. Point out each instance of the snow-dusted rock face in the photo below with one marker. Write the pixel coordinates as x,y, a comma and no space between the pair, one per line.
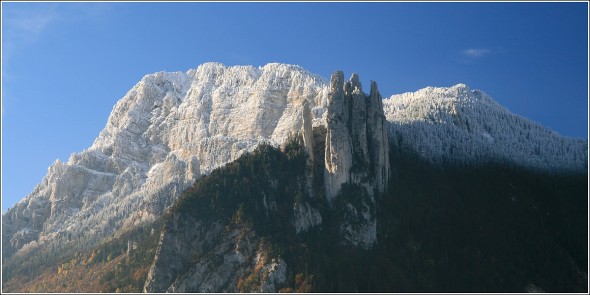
459,124
171,128
163,134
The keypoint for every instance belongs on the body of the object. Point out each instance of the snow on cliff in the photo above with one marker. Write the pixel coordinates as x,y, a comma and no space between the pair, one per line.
163,134
171,128
462,124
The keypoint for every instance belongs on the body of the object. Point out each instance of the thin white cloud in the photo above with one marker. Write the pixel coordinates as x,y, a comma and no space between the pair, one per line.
30,25
475,52
23,25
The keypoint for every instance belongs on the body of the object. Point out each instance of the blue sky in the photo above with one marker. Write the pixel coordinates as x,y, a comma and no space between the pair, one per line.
65,65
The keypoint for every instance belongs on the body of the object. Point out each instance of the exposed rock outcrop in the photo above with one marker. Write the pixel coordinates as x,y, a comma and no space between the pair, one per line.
193,256
171,128
305,216
338,157
357,147
307,130
379,147
167,131
183,238
357,153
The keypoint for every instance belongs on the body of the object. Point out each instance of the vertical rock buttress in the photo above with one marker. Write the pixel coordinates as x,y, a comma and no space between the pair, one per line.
338,156
377,131
357,147
357,153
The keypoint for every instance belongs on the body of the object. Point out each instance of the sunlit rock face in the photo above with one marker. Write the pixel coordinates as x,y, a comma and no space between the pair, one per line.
357,153
171,128
167,131
356,137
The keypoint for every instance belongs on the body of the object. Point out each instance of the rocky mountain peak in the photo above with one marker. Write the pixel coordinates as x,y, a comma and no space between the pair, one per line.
172,128
356,135
357,152
167,131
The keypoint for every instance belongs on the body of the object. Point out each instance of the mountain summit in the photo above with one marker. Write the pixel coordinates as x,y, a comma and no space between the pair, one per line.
168,130
463,124
172,129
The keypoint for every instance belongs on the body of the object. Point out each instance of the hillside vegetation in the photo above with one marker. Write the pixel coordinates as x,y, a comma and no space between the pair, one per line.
486,228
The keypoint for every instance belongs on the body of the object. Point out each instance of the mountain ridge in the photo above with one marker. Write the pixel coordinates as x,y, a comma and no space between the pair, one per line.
172,128
467,125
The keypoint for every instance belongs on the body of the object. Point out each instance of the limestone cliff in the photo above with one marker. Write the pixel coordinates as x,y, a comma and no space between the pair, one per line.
194,256
357,152
172,128
357,147
166,132
222,239
338,156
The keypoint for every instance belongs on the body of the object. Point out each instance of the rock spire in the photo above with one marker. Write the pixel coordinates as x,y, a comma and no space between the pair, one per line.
357,148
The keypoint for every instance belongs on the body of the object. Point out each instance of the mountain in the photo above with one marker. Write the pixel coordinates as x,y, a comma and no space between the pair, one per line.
242,245
161,157
163,134
466,125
